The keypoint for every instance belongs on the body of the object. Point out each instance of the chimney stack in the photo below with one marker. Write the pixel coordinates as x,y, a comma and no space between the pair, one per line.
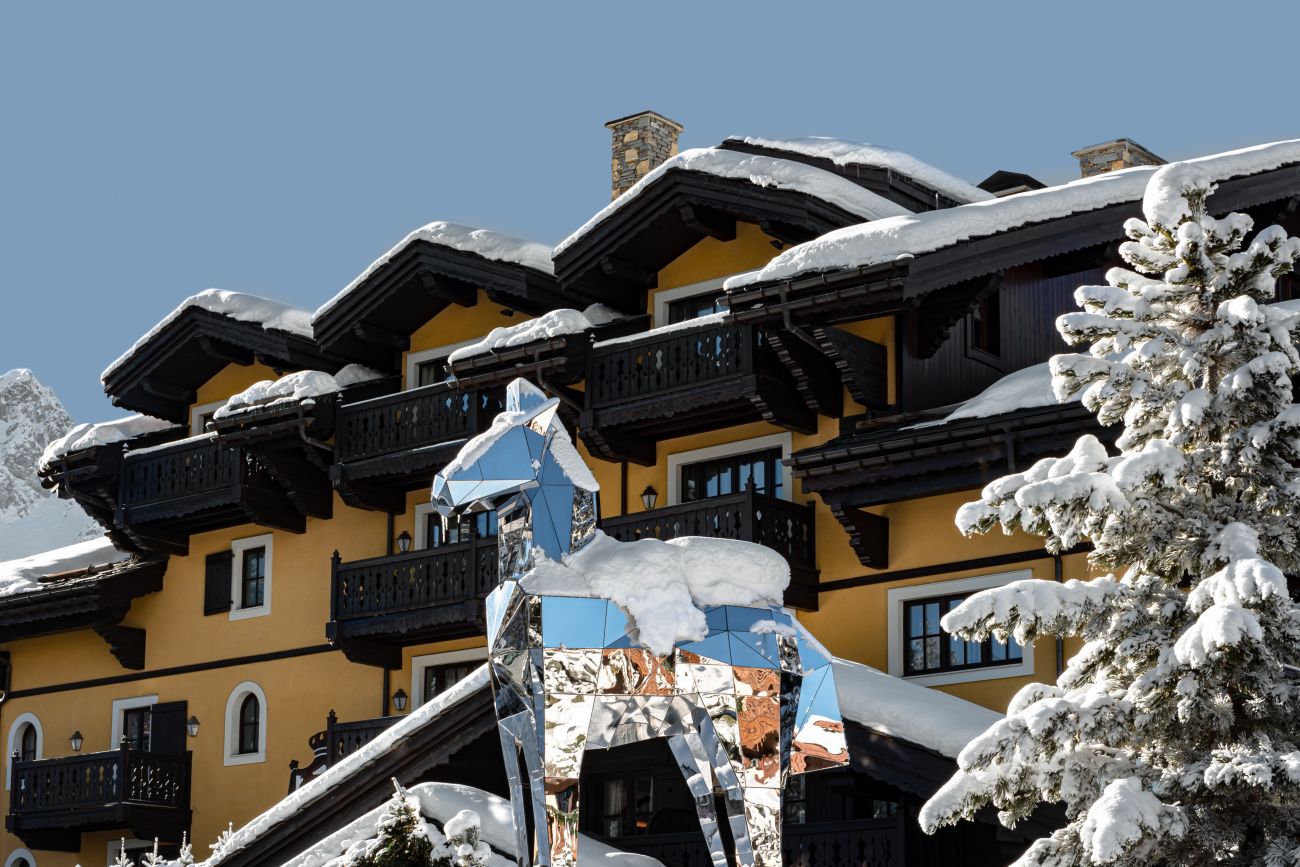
1122,153
640,142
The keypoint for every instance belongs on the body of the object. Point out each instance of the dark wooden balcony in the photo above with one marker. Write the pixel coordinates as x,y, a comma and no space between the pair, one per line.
685,381
863,843
169,492
388,445
785,527
52,801
342,739
380,605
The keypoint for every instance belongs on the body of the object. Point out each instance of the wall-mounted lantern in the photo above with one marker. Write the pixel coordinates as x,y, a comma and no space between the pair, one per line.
192,726
649,497
76,740
399,700
404,542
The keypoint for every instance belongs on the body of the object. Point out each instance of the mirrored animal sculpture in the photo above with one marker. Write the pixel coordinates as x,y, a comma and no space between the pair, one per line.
749,703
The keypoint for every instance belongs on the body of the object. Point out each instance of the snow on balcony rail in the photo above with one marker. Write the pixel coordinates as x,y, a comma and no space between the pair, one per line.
705,321
294,387
555,323
103,433
25,574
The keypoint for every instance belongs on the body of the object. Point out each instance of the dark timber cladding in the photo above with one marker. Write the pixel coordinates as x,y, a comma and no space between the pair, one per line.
161,376
618,260
372,322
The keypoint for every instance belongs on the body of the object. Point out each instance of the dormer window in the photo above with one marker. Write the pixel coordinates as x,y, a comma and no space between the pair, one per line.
986,326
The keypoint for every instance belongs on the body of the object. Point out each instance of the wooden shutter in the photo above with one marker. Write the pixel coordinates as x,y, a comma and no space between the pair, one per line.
217,576
167,728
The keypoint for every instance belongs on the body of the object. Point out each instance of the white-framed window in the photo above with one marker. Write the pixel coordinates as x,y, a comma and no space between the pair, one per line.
733,478
671,306
132,719
20,858
437,672
245,736
430,532
201,414
921,651
250,577
429,366
27,739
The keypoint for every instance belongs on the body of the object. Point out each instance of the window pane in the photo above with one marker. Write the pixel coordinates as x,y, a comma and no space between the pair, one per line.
1013,649
998,650
914,620
932,652
430,682
974,652
916,655
956,651
249,712
932,618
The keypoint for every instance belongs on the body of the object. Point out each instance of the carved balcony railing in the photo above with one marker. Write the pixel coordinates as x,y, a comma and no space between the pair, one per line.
411,598
861,843
409,420
187,476
345,738
85,784
785,527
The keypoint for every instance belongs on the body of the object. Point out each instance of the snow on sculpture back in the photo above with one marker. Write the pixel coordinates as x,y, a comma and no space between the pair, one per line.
749,700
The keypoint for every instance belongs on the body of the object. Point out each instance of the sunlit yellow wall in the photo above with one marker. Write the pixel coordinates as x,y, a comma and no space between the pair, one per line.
456,324
712,258
230,380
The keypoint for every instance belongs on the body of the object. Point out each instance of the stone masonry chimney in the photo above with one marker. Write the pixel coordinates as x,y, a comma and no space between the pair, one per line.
640,142
1110,156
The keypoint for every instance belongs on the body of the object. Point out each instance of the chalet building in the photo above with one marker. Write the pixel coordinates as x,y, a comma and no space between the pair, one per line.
818,346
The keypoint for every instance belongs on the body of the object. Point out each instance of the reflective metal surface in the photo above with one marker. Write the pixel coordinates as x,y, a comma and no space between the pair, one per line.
743,707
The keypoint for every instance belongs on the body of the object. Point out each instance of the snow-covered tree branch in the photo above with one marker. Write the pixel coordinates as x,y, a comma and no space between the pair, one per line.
1171,737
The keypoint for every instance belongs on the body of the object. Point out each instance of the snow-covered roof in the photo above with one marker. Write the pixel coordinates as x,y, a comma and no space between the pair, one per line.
294,387
270,315
441,802
484,242
23,575
551,324
890,239
896,707
763,171
103,433
845,153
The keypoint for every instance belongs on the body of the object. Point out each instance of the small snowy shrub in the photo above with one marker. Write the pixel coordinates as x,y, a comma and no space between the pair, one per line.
405,839
1171,737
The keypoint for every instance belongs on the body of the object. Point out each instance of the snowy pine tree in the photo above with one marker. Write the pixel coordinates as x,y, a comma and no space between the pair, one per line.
186,856
1171,737
403,839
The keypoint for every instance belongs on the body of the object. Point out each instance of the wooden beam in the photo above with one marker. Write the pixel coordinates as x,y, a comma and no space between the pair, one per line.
627,272
169,391
708,222
380,336
126,643
446,288
863,364
868,534
226,352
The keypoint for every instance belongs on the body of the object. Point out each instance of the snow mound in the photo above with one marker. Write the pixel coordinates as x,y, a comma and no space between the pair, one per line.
295,387
103,433
23,575
763,171
892,706
271,315
1026,388
483,242
847,153
888,239
664,586
552,324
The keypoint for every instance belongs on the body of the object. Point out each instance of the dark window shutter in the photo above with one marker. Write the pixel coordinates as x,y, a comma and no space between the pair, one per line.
216,586
167,728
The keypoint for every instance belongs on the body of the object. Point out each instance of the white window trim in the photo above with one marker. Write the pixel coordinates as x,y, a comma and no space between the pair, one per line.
199,411
420,663
421,541
678,459
415,359
232,756
239,546
121,704
20,853
899,595
667,296
23,719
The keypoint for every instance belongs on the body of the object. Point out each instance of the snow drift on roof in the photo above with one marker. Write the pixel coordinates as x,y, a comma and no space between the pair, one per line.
484,242
103,433
893,706
845,153
271,315
551,324
763,171
887,240
295,387
23,575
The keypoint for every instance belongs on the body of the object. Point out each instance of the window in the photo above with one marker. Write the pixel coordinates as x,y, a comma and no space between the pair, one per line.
628,805
250,713
25,737
929,650
201,414
245,734
468,527
432,372
251,579
436,673
986,325
682,303
136,725
430,366
919,648
694,307
440,678
27,751
733,474
644,800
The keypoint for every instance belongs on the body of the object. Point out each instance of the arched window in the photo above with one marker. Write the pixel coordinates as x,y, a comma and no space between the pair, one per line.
250,714
20,858
27,744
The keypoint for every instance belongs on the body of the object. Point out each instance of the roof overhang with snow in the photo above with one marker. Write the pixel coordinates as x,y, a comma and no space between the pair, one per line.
616,260
371,322
161,375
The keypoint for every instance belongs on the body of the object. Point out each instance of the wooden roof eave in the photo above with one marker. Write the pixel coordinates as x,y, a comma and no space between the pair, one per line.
88,602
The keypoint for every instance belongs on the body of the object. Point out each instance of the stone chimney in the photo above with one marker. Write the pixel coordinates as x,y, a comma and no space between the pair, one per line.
1122,153
640,142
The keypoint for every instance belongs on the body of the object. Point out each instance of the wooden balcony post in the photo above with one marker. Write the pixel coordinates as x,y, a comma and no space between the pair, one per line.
749,526
334,585
330,746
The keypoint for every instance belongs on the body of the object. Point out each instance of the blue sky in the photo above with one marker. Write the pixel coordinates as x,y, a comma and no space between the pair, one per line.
151,150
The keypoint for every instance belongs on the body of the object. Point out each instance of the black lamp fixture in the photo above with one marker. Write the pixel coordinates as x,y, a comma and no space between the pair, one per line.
399,699
76,741
404,542
192,726
649,497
